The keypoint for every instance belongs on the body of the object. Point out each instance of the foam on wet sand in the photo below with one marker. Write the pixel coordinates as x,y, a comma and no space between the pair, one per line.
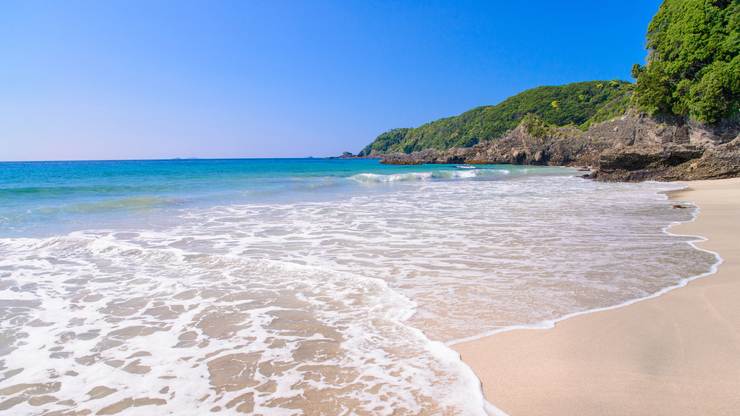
678,353
304,301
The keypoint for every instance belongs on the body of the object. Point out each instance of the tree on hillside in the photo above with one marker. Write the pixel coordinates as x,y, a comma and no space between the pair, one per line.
578,104
693,63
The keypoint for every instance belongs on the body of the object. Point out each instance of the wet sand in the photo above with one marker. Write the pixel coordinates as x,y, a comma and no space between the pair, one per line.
676,354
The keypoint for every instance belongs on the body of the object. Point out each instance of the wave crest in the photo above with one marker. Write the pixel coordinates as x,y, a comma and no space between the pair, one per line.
425,176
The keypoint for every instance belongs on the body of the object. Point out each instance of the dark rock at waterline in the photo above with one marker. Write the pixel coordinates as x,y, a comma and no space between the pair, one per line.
400,162
632,148
647,157
672,163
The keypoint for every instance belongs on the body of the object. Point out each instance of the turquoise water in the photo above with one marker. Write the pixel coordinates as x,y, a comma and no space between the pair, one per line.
44,198
302,286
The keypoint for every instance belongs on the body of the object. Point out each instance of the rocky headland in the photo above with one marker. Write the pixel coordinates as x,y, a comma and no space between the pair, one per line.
634,147
680,120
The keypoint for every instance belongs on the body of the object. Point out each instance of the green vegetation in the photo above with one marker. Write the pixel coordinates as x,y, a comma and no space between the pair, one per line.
536,127
693,64
693,69
540,129
578,104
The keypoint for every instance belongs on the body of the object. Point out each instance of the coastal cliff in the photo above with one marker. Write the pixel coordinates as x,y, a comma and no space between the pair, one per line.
634,147
680,121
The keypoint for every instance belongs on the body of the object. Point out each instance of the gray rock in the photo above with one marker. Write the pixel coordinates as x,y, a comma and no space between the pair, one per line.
634,147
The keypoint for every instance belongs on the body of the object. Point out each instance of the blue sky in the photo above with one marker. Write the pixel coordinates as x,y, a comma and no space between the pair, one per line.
247,79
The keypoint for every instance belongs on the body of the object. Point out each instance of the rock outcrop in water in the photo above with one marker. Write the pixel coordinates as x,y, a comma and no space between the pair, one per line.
634,147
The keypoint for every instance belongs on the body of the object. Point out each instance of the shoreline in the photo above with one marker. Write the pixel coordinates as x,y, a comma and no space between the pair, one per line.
674,352
549,324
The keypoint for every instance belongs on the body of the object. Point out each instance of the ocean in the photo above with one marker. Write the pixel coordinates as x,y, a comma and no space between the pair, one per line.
303,286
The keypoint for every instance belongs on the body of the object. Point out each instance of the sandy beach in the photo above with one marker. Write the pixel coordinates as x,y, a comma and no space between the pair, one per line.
676,354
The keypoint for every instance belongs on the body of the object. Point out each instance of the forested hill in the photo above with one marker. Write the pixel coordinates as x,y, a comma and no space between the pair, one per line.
579,104
692,72
693,63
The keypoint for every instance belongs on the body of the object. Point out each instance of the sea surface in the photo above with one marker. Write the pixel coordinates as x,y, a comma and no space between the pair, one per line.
302,286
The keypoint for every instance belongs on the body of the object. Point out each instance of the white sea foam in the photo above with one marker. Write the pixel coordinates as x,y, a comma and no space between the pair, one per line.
398,177
471,172
287,308
106,325
550,323
531,249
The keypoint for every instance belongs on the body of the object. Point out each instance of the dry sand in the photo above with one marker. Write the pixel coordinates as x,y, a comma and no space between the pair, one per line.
676,354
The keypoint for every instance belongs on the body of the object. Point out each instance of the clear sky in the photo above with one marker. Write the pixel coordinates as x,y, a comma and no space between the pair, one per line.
249,79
